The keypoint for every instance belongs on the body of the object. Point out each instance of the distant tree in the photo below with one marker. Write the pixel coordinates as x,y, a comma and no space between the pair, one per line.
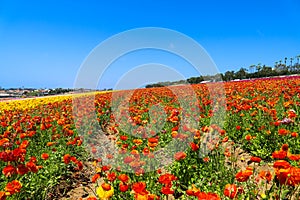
258,67
251,68
285,59
291,66
229,75
242,73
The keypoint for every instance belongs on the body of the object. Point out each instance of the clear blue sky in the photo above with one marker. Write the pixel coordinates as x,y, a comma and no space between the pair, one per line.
43,43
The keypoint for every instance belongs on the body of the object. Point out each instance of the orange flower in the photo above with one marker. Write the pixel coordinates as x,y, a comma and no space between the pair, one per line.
289,176
45,156
192,192
225,139
67,158
138,141
206,159
248,137
123,177
283,131
255,159
2,195
279,154
266,175
95,178
294,157
49,144
140,188
209,195
91,198
180,155
153,140
294,134
166,178
281,164
230,191
106,186
243,176
13,187
3,141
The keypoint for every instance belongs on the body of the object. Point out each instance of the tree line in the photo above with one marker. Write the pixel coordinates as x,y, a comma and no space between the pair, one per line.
286,66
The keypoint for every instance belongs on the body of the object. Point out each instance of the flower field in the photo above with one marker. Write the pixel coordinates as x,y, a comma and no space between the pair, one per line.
230,140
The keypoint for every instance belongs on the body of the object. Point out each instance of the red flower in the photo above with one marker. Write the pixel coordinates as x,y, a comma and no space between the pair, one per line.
243,176
180,155
45,156
123,187
281,164
206,159
128,159
167,190
230,191
283,131
123,177
9,170
105,168
166,178
67,158
140,188
111,176
153,140
13,187
285,147
91,198
255,159
123,137
32,167
22,169
208,196
194,146
279,154
294,134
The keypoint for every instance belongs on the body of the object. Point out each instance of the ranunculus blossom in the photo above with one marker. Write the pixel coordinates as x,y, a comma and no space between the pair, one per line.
179,156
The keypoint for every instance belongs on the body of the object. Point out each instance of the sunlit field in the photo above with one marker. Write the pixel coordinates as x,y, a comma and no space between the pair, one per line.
239,141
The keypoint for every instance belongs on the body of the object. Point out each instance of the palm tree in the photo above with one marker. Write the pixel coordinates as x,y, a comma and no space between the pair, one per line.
291,67
258,67
297,66
251,67
285,59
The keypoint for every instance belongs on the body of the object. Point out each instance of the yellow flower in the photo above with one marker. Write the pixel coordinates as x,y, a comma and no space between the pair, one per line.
105,195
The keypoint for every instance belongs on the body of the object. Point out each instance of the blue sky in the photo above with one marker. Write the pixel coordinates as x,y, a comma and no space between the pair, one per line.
44,43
